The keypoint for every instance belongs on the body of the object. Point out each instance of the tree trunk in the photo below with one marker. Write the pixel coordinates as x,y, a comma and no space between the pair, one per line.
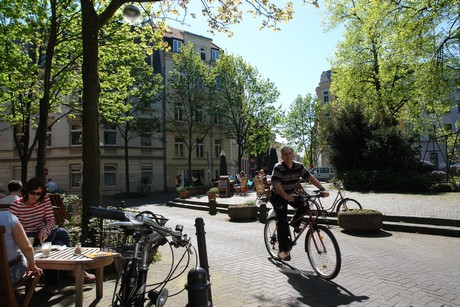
91,194
126,164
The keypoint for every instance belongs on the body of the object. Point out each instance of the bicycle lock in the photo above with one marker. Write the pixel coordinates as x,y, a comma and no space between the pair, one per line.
198,279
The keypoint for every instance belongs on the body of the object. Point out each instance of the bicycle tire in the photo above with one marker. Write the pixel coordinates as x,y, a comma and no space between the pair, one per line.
323,252
348,203
271,237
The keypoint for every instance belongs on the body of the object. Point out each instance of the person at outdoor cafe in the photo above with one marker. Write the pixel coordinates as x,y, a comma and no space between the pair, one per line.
35,213
19,250
14,189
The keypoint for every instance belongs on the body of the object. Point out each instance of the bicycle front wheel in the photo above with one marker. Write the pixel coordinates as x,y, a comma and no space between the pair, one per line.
271,237
348,203
323,252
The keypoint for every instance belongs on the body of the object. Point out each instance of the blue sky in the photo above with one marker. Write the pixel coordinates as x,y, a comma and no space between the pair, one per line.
292,58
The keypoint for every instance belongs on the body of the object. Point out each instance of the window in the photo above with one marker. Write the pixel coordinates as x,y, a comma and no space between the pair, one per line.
179,112
199,148
177,45
432,131
214,54
146,173
48,136
434,159
146,140
110,134
325,96
217,148
197,176
110,175
199,114
75,175
179,147
75,134
203,54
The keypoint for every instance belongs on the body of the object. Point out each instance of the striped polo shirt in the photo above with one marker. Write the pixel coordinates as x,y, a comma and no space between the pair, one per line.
289,177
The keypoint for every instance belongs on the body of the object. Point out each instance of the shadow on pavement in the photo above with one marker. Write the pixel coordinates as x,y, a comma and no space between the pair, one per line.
314,290
378,234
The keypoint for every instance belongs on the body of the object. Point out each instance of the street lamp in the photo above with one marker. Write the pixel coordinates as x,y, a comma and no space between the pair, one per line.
131,13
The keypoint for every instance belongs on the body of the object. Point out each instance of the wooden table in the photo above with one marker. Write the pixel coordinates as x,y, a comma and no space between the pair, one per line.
66,260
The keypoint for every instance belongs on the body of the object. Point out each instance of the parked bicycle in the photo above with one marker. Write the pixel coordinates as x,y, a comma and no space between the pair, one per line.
320,244
144,233
341,203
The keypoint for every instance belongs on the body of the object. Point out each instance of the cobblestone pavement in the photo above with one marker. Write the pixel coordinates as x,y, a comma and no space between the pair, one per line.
385,269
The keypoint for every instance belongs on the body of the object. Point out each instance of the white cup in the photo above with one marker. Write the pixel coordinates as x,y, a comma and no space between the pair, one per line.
46,249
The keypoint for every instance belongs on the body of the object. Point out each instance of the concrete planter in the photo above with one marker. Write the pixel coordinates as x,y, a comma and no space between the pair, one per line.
242,213
362,220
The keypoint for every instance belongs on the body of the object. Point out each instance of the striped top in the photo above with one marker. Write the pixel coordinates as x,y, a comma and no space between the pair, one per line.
289,177
36,217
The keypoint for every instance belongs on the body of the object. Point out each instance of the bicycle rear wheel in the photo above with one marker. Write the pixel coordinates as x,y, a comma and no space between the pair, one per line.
323,252
348,203
271,237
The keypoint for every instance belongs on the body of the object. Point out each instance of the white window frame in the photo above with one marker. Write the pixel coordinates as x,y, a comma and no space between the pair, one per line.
110,175
110,134
203,54
176,45
217,148
214,54
179,112
199,148
179,148
146,140
76,134
75,176
146,173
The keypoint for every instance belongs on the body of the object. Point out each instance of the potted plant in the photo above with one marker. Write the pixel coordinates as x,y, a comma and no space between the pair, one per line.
360,220
212,193
243,212
183,193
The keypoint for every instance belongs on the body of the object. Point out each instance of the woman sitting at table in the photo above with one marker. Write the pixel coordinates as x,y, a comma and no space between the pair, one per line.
35,213
18,248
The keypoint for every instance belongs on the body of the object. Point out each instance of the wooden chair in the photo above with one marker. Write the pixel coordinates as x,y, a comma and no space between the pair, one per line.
262,192
243,187
7,288
60,210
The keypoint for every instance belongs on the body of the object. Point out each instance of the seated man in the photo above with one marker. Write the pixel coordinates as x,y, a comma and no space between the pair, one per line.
14,189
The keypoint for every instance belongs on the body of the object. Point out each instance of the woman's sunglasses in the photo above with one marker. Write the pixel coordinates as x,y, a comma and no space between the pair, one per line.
35,193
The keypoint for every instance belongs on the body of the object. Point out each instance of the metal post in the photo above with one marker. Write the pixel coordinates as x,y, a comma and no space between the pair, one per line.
202,252
198,288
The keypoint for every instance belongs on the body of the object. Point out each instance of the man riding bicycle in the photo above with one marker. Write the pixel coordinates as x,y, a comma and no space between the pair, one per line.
284,181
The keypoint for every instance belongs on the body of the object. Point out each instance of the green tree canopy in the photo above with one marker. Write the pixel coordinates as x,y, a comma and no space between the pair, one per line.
246,100
388,59
299,126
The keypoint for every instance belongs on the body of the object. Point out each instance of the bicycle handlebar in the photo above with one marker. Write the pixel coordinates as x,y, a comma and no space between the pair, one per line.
129,221
109,214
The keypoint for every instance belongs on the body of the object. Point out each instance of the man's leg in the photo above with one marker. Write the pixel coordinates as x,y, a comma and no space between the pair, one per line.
280,207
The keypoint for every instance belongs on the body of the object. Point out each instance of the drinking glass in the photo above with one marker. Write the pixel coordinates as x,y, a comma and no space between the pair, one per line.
46,249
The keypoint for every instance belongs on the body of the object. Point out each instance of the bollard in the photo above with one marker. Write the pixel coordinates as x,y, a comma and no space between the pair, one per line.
212,207
202,252
263,213
197,287
122,204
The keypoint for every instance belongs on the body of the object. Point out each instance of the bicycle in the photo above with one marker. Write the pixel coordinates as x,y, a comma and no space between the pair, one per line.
341,203
320,244
144,233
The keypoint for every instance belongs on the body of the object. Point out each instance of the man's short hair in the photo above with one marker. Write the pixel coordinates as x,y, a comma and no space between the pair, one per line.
14,186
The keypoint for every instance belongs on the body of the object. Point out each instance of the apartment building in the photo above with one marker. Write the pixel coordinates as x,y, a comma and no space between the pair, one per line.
155,160
432,147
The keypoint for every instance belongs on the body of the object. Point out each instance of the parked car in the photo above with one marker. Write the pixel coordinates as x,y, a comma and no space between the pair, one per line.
324,173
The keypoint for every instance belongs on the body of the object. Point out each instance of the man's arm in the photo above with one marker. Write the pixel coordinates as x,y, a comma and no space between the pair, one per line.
318,184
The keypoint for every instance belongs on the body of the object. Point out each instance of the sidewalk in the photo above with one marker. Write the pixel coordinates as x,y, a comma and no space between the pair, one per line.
386,269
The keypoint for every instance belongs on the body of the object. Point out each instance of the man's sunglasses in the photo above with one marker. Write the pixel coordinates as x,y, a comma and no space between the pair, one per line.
35,193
